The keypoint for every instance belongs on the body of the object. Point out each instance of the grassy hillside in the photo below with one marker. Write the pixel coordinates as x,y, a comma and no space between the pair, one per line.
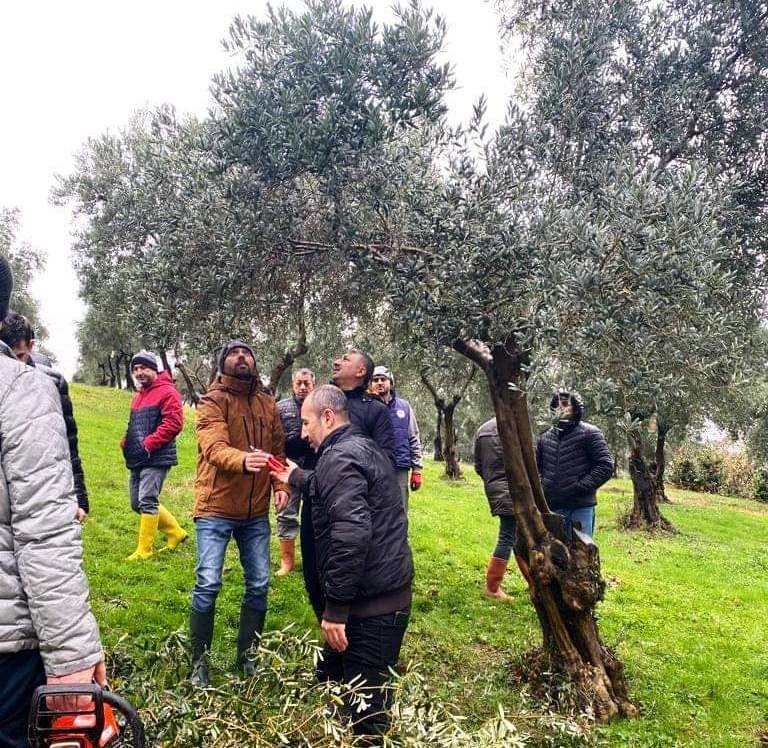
687,613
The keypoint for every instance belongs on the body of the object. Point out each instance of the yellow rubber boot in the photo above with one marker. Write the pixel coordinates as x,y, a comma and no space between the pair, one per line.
174,533
147,531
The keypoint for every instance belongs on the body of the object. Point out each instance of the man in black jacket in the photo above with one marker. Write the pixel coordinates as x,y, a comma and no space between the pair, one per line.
364,560
17,333
573,461
352,373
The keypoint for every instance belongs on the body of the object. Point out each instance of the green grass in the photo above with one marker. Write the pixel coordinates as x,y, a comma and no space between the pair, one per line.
686,612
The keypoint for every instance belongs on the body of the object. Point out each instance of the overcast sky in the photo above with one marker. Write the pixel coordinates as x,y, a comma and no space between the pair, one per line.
74,69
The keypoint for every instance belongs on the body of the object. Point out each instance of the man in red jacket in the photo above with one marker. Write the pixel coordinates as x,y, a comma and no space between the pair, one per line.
149,448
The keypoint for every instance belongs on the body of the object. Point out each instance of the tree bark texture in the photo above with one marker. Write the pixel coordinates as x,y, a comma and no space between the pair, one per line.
439,455
661,463
645,509
564,577
192,393
451,452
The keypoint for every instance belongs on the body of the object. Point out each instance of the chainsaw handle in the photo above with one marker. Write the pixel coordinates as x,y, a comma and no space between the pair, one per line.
131,717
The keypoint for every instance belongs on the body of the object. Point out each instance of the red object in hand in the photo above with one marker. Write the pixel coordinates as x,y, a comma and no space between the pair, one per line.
415,481
275,464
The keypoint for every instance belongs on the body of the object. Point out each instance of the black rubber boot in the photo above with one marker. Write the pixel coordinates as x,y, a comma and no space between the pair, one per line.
201,634
251,626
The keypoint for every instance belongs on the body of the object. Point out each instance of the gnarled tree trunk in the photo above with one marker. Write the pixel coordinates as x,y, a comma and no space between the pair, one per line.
661,462
191,391
445,412
645,509
452,467
564,577
439,455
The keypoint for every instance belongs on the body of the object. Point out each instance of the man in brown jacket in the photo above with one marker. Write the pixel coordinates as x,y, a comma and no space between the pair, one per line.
237,428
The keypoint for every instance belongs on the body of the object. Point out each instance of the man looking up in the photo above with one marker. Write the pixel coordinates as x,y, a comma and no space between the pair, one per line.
405,430
237,427
149,448
352,373
17,334
364,560
298,450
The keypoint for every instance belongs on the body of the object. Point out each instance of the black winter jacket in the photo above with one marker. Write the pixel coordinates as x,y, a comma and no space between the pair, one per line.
69,421
361,531
296,448
489,465
370,417
573,463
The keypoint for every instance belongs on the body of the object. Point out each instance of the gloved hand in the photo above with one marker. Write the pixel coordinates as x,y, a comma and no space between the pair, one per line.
415,480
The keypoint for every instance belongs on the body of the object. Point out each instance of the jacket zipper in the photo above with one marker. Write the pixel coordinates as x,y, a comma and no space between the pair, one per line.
250,448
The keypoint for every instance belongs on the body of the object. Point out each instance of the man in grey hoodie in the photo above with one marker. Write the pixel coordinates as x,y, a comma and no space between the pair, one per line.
47,630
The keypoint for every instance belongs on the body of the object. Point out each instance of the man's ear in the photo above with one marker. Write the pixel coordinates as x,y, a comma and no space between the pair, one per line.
32,344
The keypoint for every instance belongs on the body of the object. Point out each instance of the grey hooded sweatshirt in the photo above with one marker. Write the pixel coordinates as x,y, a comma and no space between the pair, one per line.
44,601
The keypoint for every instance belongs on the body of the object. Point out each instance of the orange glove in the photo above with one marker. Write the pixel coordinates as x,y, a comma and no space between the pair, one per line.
415,480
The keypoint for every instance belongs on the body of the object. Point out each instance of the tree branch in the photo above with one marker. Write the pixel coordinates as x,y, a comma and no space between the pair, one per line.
474,350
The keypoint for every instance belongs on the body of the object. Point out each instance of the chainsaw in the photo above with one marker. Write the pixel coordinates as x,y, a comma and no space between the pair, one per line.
107,721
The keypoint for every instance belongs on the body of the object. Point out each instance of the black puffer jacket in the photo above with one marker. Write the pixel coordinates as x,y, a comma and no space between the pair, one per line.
361,531
573,463
296,448
370,417
69,421
489,465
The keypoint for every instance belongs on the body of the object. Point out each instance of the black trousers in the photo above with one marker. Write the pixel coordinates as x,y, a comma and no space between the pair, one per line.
20,674
373,647
309,560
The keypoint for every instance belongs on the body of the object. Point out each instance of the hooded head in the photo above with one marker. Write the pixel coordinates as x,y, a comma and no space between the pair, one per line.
566,407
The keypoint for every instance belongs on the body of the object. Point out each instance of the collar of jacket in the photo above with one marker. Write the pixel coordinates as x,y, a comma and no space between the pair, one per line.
233,384
332,438
358,393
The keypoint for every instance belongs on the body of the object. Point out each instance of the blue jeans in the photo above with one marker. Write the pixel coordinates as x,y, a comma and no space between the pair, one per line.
583,516
506,540
252,538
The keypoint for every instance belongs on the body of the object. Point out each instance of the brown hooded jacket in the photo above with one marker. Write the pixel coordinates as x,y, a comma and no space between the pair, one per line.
233,418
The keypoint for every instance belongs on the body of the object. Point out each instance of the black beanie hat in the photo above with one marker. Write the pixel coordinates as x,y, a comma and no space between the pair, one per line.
6,286
145,358
228,346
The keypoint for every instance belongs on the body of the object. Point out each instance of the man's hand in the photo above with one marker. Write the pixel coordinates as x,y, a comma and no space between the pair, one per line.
415,480
255,461
335,635
281,500
284,474
81,515
81,677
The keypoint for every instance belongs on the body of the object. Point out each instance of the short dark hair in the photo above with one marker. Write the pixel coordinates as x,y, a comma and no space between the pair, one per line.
303,371
329,397
15,328
368,362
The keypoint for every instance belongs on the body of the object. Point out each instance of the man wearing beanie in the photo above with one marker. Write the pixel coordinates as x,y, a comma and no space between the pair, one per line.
49,632
405,429
238,427
149,448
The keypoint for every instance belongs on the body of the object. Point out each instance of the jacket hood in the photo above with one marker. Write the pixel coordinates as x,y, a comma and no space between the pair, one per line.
575,399
227,383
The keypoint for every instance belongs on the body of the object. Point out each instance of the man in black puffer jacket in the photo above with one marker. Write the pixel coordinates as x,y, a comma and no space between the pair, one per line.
573,461
363,558
17,333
